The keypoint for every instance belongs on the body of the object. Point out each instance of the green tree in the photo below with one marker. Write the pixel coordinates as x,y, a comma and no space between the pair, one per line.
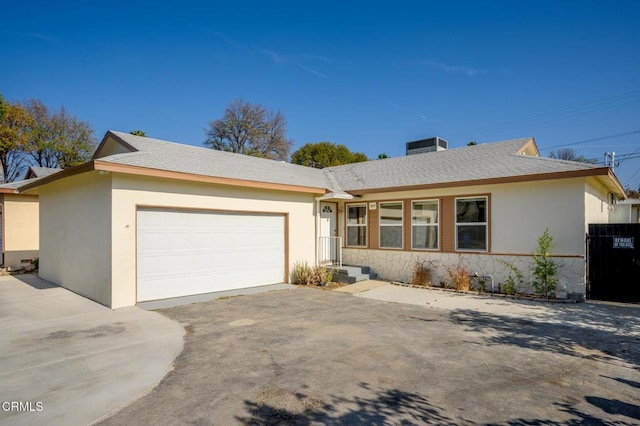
570,155
14,120
58,139
325,154
138,133
472,143
383,156
250,129
544,268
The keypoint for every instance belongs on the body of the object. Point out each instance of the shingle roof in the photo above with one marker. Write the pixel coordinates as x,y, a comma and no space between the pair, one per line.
40,172
17,184
470,163
163,155
35,172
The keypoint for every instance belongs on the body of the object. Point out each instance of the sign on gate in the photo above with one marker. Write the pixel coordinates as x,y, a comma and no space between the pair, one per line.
623,242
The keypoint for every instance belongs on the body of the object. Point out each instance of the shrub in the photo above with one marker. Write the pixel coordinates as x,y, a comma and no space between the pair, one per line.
480,283
321,275
544,268
514,280
303,274
460,277
422,273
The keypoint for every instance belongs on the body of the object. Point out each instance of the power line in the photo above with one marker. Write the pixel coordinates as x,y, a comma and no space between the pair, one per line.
610,101
593,140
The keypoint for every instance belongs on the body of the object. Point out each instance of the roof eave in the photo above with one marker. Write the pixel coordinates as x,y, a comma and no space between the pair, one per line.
86,167
600,171
192,177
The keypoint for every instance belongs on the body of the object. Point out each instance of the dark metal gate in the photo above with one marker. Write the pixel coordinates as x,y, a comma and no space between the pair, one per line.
613,262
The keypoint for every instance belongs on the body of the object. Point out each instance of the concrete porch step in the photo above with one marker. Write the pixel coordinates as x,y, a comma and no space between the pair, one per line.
352,274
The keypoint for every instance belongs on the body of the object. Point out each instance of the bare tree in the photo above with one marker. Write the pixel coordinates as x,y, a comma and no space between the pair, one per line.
41,134
570,155
250,129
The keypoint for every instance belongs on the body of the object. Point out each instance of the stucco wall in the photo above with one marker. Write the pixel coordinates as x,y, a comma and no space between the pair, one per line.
75,234
519,214
597,207
625,213
20,228
131,191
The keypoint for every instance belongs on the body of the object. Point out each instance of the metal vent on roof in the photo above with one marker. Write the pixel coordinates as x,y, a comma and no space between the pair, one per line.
427,145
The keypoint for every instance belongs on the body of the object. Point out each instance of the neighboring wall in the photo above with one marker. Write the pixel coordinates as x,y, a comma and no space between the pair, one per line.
518,214
129,192
20,228
597,207
625,213
75,243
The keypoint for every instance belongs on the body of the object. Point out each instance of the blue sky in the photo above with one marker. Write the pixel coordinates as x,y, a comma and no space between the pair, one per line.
367,75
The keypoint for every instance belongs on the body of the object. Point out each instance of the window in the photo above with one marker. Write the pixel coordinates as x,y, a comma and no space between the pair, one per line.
424,225
391,225
357,225
471,224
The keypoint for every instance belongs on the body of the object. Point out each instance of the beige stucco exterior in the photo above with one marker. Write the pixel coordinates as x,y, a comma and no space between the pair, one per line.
518,214
75,227
88,218
20,237
105,205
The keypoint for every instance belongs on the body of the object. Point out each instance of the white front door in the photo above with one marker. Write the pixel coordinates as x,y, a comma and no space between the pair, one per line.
328,232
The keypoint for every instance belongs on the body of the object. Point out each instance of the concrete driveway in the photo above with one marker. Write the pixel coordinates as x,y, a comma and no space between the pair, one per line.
395,355
65,360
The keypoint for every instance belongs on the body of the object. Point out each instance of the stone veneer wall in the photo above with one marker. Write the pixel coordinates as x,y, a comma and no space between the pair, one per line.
398,266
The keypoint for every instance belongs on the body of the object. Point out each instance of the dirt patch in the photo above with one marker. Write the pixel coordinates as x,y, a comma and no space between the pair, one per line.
329,286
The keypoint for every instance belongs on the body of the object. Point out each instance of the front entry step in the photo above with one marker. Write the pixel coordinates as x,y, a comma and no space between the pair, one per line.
352,274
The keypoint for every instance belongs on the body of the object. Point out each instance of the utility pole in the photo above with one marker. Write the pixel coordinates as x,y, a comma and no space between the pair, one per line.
610,160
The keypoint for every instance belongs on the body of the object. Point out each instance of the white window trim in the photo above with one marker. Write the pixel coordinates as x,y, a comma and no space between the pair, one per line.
364,225
486,224
437,224
380,225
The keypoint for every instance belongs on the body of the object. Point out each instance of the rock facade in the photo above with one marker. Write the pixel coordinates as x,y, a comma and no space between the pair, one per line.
399,266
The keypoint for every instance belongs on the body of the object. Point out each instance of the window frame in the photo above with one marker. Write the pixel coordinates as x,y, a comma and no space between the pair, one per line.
358,225
485,224
436,224
381,225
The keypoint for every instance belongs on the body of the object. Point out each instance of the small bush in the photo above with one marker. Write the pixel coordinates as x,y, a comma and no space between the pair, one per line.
303,274
545,269
321,275
422,273
514,281
480,283
460,277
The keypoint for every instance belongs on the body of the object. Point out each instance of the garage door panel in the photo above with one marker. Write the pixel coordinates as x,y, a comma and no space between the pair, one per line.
183,252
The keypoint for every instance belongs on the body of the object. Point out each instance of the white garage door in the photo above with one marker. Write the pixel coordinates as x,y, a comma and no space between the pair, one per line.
182,253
